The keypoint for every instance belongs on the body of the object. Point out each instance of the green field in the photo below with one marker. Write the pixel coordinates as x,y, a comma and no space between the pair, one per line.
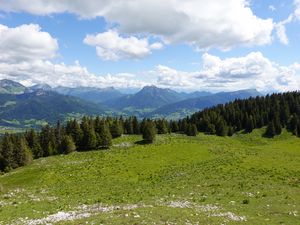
245,179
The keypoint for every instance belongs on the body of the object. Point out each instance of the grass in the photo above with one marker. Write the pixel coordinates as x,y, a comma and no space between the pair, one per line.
245,179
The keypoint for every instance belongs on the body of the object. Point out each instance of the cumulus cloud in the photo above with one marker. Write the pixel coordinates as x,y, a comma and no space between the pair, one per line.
26,43
281,26
297,9
111,46
201,23
39,71
251,71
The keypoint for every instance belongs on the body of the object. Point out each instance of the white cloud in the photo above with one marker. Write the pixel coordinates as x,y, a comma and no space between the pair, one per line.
26,43
111,46
39,71
272,8
251,71
281,26
200,23
297,9
281,29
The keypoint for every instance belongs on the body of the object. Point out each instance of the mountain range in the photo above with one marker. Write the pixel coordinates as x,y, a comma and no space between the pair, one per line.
41,102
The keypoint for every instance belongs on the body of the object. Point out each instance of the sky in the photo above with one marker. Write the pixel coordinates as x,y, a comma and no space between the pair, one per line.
190,45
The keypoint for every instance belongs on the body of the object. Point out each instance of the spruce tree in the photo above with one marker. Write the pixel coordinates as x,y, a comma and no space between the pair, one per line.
270,132
104,137
161,126
73,129
221,129
89,138
149,132
174,126
192,130
249,125
116,129
136,126
22,153
33,143
7,151
67,144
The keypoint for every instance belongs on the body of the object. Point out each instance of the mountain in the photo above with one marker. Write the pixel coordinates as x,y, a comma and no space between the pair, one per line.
195,94
182,108
148,98
43,105
11,87
44,87
96,95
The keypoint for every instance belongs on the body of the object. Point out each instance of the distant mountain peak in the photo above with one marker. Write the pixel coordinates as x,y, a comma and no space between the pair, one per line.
6,82
11,87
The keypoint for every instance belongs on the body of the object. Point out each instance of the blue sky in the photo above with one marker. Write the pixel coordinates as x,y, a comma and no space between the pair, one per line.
234,45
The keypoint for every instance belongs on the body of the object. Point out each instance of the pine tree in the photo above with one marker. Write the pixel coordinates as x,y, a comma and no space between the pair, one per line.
116,129
211,129
7,151
249,125
192,130
292,124
174,126
33,143
47,141
58,132
73,129
3,163
221,129
128,126
104,136
149,132
230,131
277,124
22,153
67,144
270,132
89,138
161,126
135,126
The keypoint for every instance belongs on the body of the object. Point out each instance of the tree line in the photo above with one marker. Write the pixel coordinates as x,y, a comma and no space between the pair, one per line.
276,111
89,134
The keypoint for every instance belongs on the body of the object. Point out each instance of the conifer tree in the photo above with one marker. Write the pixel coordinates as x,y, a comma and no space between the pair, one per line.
22,153
149,131
270,132
104,137
192,130
116,129
73,129
7,152
174,126
67,144
161,126
135,126
221,129
33,143
89,138
47,141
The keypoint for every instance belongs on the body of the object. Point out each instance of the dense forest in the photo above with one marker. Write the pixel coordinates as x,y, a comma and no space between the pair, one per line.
275,111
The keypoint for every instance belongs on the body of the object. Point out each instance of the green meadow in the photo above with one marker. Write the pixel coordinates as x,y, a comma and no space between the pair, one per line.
244,179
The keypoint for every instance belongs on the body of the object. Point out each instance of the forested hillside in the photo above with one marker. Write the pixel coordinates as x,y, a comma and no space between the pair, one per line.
275,111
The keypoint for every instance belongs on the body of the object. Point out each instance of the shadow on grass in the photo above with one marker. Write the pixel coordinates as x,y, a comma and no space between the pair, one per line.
143,142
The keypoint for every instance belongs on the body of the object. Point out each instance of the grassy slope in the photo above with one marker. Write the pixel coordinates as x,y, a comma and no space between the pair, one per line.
179,180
